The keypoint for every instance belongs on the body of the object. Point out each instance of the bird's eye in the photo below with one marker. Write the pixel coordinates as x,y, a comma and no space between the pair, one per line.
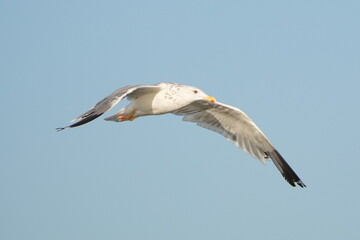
195,91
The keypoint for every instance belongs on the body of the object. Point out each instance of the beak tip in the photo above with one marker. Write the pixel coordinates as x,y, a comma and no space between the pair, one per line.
210,99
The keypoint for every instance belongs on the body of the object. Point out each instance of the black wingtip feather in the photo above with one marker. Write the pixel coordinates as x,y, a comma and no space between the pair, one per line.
87,119
287,172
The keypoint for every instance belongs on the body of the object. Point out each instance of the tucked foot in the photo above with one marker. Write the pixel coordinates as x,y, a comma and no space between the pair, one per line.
127,117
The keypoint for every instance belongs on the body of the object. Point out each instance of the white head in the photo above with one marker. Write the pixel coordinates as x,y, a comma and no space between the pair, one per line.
191,94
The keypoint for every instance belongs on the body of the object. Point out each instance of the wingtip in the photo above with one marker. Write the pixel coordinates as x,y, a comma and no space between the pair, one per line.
287,172
61,128
294,181
301,184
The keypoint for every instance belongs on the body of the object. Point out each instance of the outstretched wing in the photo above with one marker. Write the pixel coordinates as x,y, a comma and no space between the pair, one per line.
110,101
237,127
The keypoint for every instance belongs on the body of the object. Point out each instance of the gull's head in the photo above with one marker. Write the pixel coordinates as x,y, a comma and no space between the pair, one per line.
194,94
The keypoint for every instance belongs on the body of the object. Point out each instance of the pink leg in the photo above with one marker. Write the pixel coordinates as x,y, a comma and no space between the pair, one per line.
127,117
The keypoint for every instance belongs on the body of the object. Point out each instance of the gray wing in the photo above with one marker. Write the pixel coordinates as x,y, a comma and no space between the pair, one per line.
237,127
110,101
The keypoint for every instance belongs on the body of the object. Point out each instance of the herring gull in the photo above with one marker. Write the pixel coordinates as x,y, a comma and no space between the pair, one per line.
195,106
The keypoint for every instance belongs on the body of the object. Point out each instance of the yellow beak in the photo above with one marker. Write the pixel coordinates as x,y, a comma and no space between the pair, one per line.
210,99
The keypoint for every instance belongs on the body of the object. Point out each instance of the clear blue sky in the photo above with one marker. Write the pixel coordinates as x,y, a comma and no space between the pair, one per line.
293,66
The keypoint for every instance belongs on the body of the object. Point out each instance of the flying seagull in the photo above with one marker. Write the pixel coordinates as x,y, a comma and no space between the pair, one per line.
195,106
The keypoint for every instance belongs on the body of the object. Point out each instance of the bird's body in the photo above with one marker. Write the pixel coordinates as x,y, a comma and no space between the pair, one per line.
195,106
162,99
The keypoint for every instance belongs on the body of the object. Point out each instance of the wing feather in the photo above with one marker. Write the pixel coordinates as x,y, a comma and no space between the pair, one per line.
234,125
237,127
110,101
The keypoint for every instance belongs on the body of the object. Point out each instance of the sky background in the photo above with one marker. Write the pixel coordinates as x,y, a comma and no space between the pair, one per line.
293,66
